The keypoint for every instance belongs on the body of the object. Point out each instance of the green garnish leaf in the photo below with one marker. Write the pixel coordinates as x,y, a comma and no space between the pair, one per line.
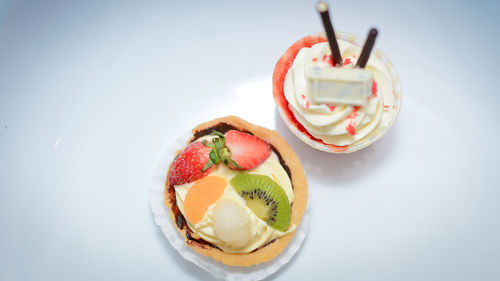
206,143
234,164
215,133
224,155
218,143
207,166
214,157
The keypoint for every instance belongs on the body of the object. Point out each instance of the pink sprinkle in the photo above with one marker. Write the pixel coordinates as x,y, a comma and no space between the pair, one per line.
351,128
374,88
354,113
330,61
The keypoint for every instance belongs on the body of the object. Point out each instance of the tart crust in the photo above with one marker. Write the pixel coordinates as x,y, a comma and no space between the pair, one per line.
299,184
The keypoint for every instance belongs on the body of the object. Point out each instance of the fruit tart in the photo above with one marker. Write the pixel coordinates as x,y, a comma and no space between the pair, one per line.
236,192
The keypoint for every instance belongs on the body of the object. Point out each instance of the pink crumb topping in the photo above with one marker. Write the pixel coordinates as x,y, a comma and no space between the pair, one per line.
374,88
351,128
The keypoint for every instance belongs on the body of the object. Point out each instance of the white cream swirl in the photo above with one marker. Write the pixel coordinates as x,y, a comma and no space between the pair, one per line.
340,125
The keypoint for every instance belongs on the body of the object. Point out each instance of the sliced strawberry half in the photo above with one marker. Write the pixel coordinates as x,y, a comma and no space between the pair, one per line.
247,151
191,164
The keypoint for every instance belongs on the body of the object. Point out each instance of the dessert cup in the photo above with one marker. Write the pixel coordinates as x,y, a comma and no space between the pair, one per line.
287,159
285,63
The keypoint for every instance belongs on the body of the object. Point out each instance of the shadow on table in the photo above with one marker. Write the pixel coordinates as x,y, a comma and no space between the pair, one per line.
292,261
338,168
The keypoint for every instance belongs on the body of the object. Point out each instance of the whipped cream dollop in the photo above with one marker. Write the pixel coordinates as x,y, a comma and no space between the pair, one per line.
339,124
260,232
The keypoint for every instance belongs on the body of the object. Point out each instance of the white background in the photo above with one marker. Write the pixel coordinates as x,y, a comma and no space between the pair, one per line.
92,92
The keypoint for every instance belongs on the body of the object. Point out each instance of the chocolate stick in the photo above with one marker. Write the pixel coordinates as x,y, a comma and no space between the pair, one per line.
322,8
367,48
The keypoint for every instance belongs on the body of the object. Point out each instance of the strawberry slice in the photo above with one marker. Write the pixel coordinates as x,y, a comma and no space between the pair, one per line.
246,150
191,164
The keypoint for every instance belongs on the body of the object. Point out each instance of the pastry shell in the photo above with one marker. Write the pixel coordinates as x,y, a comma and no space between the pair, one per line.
294,169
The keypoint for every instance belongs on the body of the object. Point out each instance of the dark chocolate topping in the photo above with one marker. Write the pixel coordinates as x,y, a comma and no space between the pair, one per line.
283,164
221,128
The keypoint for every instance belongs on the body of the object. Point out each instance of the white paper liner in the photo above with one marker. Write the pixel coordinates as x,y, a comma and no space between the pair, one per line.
217,269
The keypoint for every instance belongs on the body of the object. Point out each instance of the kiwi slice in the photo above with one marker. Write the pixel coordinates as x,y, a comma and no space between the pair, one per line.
265,198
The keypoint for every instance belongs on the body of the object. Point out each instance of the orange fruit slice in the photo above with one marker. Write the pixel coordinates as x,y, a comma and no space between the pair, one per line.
201,195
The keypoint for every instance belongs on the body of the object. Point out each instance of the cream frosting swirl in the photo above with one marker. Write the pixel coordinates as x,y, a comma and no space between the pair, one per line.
337,124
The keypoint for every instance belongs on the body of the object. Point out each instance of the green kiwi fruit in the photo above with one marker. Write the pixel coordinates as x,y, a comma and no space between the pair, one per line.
265,198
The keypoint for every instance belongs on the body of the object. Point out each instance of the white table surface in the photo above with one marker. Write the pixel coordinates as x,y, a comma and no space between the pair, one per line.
91,92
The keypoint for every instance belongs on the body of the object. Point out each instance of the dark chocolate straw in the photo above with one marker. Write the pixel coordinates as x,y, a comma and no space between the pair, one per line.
367,48
322,8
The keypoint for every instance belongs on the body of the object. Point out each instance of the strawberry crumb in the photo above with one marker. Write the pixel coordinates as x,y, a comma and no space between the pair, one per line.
315,59
303,96
331,107
307,104
354,113
385,106
351,129
374,88
347,61
330,61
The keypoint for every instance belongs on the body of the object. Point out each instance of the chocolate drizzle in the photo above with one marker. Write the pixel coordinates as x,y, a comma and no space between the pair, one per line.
179,218
200,242
221,128
283,164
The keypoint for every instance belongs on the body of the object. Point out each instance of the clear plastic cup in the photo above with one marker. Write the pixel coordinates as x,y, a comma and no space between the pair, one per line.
292,123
